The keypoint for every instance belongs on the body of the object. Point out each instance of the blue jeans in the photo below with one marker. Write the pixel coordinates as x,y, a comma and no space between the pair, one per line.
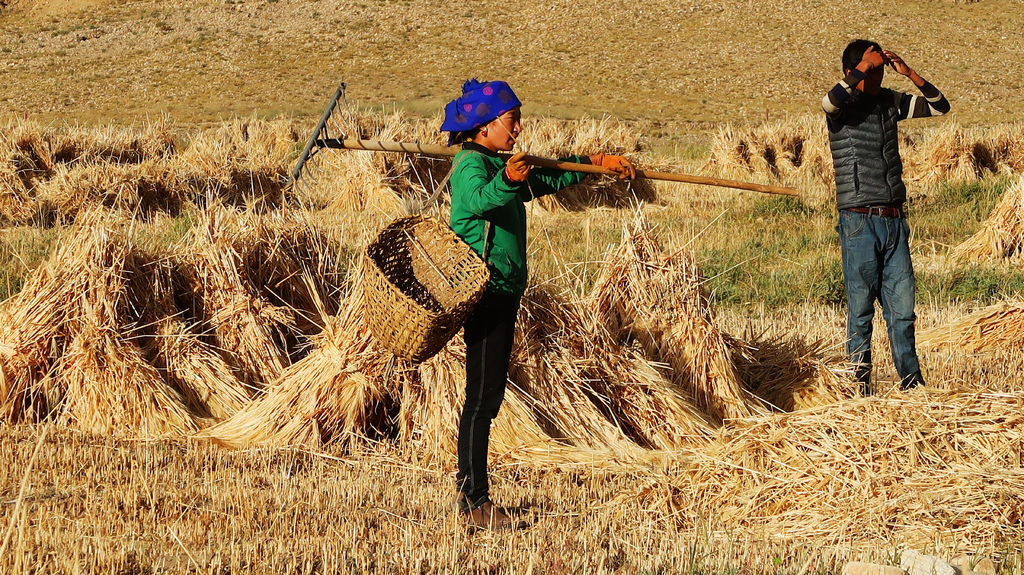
876,266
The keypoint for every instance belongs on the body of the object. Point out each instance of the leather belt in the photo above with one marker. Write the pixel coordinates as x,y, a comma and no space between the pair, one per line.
884,211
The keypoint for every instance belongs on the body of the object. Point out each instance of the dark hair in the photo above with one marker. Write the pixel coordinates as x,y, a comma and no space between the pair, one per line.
466,136
855,51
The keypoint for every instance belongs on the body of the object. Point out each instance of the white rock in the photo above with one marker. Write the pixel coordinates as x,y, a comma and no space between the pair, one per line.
916,563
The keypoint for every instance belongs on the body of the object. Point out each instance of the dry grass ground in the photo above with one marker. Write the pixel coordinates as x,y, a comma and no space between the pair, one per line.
96,504
105,506
667,62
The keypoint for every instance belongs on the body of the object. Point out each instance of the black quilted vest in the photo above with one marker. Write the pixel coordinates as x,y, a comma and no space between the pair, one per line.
866,153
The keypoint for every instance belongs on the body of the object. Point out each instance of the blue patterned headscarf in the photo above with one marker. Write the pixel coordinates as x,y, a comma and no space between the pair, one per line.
480,103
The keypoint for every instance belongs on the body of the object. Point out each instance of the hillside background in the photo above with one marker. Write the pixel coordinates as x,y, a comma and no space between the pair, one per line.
677,64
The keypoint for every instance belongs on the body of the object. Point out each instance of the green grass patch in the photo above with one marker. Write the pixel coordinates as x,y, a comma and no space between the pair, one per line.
983,285
21,252
955,210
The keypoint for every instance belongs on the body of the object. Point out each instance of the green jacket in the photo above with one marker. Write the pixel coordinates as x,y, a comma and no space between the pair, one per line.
481,193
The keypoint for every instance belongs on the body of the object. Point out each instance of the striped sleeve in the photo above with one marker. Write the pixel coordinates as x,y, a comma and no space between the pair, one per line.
931,102
842,93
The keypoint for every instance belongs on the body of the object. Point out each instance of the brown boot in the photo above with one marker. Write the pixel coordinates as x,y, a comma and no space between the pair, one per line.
489,516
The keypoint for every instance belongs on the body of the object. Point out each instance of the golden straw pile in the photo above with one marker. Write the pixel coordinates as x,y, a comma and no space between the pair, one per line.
996,327
1001,235
658,300
52,174
907,469
110,338
781,149
949,151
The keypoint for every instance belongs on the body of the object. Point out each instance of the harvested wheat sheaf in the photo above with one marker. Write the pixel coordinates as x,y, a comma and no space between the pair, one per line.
791,373
781,149
907,469
83,366
590,391
997,327
1001,235
347,387
109,338
658,300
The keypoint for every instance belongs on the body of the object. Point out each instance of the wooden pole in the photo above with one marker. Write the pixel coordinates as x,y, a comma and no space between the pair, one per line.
449,151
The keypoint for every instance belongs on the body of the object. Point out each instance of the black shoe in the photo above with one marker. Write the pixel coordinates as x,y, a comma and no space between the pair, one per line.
911,381
863,375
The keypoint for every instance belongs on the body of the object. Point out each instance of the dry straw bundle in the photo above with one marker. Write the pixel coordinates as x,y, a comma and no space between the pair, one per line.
112,144
590,391
247,326
782,149
1001,235
83,365
950,152
242,163
142,188
346,388
173,342
209,385
658,300
32,334
259,282
994,328
791,374
937,468
1006,145
17,202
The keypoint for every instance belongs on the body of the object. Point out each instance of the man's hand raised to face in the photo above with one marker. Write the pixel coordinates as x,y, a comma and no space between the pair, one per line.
871,59
896,62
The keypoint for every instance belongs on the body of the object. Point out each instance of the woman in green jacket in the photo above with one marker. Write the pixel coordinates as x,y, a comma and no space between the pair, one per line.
488,213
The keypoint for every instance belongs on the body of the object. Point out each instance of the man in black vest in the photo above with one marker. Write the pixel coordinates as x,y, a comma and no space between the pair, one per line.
870,196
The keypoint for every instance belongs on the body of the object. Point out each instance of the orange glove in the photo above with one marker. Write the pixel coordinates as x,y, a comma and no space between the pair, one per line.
516,168
618,164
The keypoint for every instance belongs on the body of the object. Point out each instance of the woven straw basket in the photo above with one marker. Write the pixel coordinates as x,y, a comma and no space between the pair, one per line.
420,282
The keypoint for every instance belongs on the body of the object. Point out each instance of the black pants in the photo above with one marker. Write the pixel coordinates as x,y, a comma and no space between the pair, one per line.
488,332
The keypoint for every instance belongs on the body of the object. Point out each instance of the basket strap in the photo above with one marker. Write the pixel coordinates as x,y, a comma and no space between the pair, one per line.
440,187
487,244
